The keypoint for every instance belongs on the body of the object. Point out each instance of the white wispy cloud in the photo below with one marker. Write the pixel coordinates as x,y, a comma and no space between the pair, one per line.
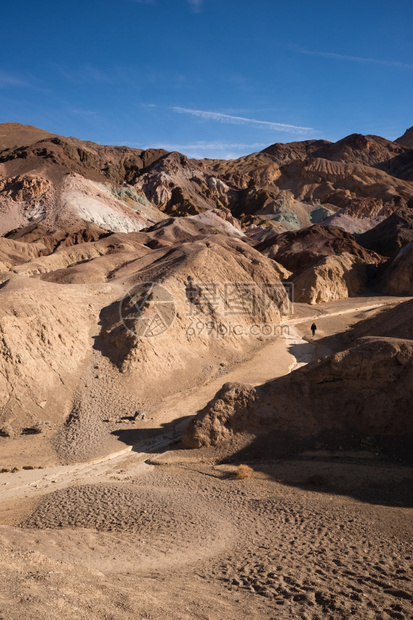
209,145
196,5
206,149
11,79
240,120
360,59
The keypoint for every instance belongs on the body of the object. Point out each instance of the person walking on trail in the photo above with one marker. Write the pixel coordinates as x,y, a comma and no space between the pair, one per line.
313,329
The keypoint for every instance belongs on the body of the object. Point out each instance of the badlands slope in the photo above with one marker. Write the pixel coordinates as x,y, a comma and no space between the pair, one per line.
148,347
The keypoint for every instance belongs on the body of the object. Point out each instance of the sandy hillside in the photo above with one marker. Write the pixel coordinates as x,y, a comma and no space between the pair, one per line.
82,324
323,534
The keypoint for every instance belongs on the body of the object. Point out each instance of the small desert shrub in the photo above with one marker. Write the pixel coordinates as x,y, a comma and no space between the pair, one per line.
243,472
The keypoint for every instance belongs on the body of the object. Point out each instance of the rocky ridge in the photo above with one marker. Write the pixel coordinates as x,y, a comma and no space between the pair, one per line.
366,389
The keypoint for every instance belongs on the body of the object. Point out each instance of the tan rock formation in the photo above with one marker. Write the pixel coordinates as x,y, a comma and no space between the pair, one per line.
45,335
333,278
222,269
366,389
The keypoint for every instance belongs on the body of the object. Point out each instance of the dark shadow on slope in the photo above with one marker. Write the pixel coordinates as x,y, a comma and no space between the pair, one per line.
373,469
394,322
153,439
112,340
303,352
329,345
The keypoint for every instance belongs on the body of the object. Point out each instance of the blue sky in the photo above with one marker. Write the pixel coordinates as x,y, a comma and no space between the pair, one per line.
210,78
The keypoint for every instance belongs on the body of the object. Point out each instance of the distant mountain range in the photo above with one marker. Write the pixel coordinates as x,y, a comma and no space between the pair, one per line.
355,194
354,183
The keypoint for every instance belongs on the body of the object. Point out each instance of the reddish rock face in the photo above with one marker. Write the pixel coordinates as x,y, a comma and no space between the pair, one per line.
359,149
391,235
298,250
406,139
36,233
